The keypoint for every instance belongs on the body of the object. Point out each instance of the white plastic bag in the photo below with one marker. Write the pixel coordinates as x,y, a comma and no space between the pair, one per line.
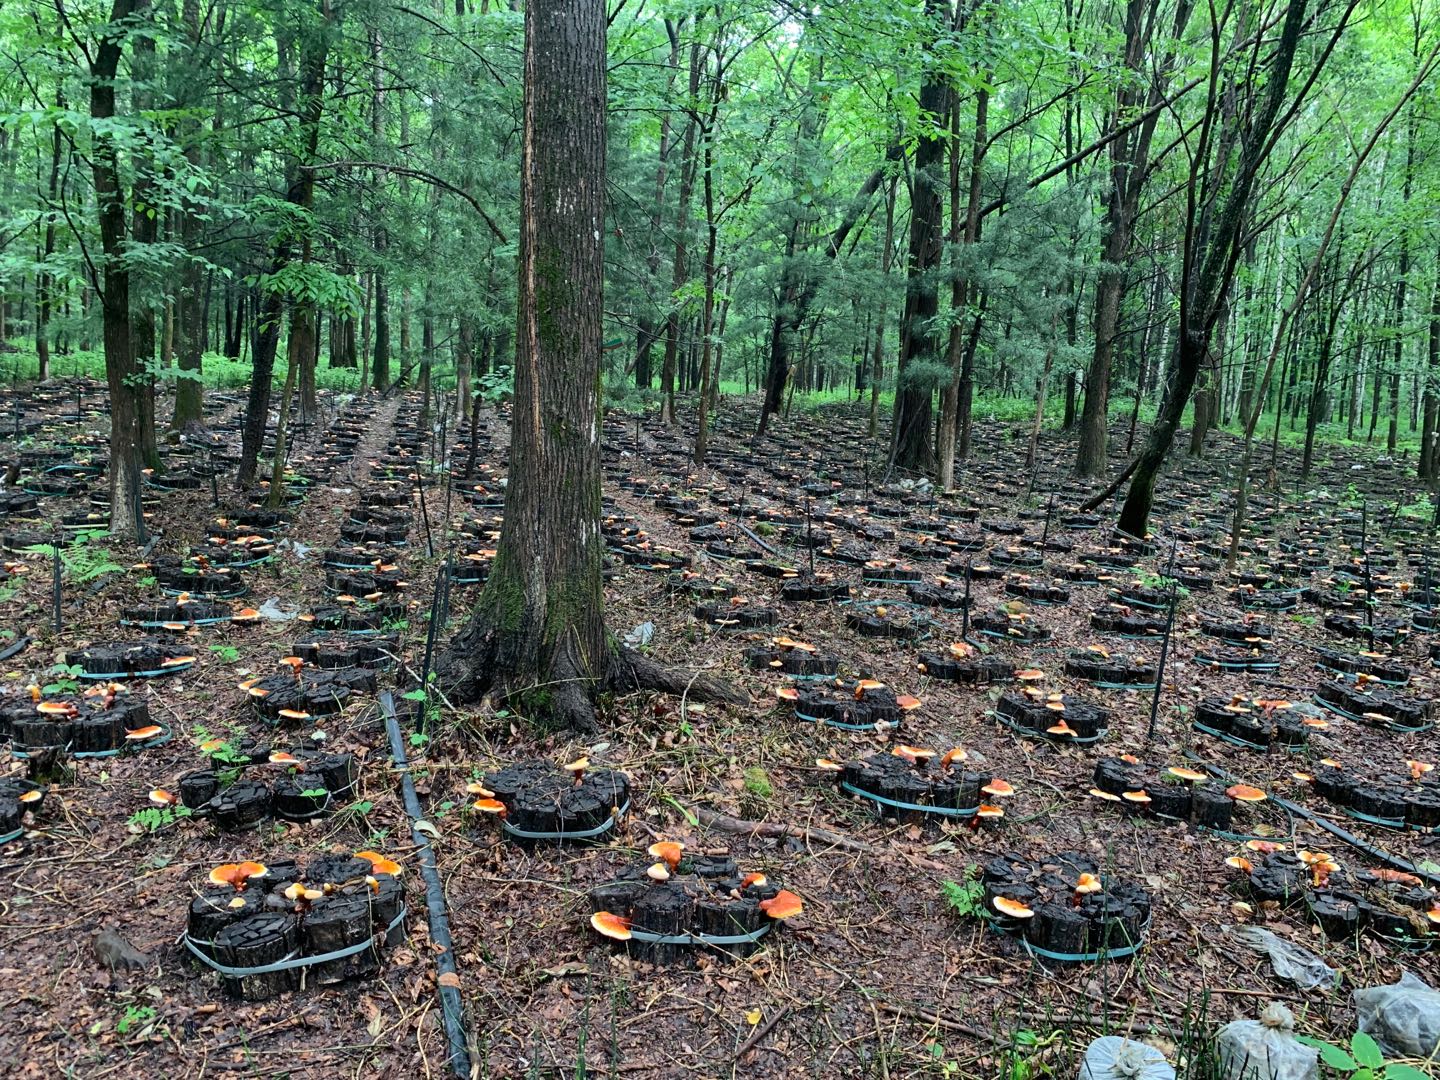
1290,961
1266,1049
1404,1017
1112,1058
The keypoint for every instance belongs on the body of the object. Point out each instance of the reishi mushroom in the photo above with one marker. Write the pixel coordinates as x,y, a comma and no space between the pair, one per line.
668,851
610,925
783,905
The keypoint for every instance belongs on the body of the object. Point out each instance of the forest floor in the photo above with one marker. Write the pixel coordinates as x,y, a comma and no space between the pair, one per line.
881,975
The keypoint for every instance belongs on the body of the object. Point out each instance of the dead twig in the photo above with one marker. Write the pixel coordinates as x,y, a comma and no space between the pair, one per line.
761,1031
713,819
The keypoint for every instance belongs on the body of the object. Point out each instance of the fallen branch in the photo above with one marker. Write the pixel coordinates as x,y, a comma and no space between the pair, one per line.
761,1031
913,1012
713,819
1110,488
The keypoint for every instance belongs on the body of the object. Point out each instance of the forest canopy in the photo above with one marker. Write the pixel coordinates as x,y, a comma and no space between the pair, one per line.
1137,210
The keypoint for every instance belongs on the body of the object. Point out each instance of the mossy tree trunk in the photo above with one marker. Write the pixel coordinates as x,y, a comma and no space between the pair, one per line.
538,629
537,634
121,370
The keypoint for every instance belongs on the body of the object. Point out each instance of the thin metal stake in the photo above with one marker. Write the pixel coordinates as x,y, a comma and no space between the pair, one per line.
56,581
965,607
430,631
809,535
425,516
1160,667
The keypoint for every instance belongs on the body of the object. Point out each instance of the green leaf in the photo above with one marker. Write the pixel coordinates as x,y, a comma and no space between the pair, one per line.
1366,1051
1363,1074
1405,1072
1331,1054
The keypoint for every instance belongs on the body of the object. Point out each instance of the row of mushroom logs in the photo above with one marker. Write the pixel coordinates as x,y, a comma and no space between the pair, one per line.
1391,904
537,800
1378,795
1258,723
662,910
1178,793
911,783
101,719
253,916
305,692
1063,907
852,704
248,782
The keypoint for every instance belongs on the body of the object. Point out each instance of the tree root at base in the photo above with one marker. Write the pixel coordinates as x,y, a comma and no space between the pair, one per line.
565,694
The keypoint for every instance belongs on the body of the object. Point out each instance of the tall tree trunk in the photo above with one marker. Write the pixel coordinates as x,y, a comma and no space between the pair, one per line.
1129,164
1215,235
957,395
680,271
301,193
910,441
122,373
877,355
44,280
189,307
1429,464
538,627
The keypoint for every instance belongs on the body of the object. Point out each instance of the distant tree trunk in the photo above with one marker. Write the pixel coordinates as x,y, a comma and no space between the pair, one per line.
44,281
1397,357
958,393
911,448
1129,164
877,356
144,231
1430,466
301,193
427,363
681,273
1213,247
707,317
121,370
464,358
647,335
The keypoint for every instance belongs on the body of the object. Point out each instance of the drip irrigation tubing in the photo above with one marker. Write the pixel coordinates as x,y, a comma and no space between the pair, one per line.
1343,835
452,1007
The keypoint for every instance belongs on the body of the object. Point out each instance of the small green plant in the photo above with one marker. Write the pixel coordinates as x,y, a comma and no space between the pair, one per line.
1022,1061
226,654
153,819
135,1016
68,680
757,783
82,559
1363,1061
966,897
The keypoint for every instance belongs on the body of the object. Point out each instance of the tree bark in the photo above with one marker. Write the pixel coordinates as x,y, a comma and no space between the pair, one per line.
911,448
538,628
122,373
1215,233
301,193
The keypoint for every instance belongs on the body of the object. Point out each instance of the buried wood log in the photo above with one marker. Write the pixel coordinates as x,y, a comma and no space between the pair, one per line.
713,819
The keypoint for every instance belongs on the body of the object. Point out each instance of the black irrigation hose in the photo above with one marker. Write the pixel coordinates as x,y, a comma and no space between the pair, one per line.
452,1007
1335,830
15,648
